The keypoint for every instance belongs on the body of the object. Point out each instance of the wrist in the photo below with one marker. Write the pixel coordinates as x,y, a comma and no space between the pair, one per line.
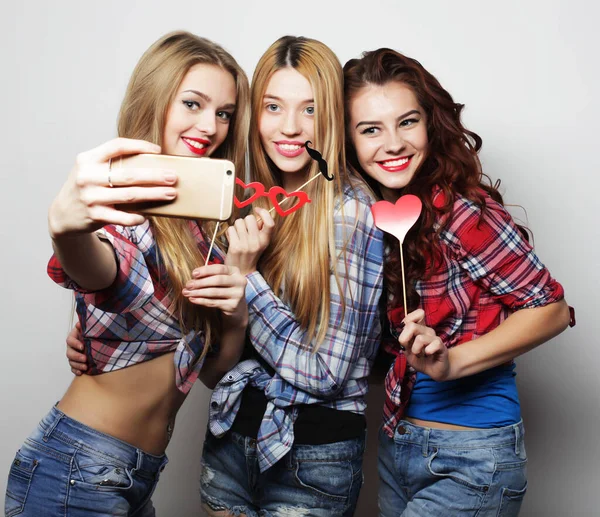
235,321
455,366
248,269
55,227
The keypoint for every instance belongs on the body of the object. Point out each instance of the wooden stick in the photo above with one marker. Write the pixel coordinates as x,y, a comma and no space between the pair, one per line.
212,243
403,280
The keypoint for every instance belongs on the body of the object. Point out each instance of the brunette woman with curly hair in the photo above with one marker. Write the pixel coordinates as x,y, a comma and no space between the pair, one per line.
452,437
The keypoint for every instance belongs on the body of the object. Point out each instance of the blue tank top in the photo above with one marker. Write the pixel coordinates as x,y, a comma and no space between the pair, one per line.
485,400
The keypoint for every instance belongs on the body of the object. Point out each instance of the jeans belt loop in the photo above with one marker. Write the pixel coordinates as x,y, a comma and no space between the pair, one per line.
51,427
425,448
140,460
518,439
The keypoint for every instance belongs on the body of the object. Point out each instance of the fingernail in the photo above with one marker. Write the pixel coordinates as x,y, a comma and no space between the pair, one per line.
171,194
170,177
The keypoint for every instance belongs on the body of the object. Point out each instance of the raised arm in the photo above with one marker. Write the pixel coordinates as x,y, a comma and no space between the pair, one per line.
493,253
86,202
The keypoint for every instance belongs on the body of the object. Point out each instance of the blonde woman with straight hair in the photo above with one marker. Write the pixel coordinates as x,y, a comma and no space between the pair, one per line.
287,425
147,328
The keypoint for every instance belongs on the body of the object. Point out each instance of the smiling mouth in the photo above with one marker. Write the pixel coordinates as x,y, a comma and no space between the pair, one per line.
395,165
197,146
289,150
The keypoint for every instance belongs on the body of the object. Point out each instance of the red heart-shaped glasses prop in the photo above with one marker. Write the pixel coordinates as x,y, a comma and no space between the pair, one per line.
259,191
397,218
278,191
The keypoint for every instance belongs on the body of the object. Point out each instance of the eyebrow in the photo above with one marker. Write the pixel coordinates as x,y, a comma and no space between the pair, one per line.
375,122
274,97
208,99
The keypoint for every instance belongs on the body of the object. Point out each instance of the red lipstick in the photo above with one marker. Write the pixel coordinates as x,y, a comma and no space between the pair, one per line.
190,141
395,168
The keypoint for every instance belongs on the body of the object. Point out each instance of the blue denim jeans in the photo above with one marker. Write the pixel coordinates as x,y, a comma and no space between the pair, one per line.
68,469
425,472
311,480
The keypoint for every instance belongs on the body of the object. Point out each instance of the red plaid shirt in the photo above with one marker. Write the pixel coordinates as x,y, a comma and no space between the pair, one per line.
488,271
130,322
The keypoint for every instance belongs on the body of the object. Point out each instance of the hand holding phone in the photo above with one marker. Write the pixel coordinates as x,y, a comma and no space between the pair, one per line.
87,200
205,186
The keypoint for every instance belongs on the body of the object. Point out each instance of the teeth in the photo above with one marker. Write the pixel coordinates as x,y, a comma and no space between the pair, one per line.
290,147
395,163
195,144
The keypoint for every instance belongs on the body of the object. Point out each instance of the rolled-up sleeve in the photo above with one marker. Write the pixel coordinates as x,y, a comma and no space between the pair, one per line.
132,287
494,253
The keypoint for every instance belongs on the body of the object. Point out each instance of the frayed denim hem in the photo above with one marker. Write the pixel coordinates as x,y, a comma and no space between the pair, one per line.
235,511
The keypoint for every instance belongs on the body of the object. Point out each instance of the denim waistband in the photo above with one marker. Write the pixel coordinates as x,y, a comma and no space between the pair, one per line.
337,451
476,438
57,425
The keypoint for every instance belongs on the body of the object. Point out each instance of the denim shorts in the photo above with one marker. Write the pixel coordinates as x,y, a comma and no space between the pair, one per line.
311,480
67,469
424,471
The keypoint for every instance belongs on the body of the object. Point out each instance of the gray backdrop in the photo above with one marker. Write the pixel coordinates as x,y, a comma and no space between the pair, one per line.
526,70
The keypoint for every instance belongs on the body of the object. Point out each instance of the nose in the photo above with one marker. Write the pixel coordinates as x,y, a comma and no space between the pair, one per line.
290,125
207,122
394,143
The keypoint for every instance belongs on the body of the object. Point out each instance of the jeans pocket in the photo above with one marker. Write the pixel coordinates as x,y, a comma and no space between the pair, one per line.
331,480
511,502
19,481
100,473
473,468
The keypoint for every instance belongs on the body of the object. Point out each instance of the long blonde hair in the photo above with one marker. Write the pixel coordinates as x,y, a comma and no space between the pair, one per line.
297,263
151,90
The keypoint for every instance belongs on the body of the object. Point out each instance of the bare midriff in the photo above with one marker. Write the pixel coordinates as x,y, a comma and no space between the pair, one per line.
137,404
439,425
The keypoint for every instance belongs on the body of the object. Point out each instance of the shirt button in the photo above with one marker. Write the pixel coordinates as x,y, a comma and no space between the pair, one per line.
214,404
230,377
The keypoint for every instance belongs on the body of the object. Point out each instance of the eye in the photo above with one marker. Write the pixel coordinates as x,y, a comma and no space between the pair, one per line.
272,108
309,110
369,130
192,105
408,122
224,115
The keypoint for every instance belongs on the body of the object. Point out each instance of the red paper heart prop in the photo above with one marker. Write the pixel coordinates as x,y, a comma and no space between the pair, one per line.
259,190
276,191
397,218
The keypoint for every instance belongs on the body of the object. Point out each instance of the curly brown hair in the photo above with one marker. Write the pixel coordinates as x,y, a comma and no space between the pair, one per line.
451,164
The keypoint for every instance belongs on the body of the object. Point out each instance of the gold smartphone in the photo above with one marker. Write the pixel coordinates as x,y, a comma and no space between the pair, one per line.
205,186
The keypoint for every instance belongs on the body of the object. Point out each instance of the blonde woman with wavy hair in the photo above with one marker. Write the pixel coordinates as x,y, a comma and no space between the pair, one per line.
287,425
149,310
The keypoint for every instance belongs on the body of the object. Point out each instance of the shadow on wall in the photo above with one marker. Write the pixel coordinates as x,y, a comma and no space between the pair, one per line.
367,503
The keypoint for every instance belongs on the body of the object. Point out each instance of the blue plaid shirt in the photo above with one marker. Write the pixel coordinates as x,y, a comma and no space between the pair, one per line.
336,375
